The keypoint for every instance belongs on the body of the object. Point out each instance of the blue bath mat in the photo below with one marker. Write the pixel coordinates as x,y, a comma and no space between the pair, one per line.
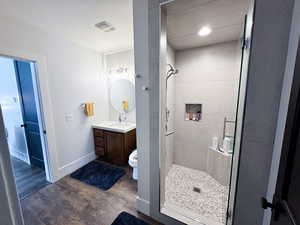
98,174
125,218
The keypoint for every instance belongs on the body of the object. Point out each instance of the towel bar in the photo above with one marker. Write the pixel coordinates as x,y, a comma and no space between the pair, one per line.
83,105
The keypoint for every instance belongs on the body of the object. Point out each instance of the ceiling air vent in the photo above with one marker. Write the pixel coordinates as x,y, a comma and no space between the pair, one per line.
105,26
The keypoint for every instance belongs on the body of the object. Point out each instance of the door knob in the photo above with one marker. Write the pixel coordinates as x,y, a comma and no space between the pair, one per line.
145,88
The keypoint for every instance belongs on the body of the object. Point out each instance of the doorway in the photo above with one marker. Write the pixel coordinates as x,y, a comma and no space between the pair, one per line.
19,102
203,84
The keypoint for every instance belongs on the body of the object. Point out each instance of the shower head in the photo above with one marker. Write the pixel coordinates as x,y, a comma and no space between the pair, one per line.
171,71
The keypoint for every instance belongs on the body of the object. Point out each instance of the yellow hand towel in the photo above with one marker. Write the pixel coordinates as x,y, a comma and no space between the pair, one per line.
125,105
89,109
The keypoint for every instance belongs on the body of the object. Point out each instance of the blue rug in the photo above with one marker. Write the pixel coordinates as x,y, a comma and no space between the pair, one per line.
125,218
98,174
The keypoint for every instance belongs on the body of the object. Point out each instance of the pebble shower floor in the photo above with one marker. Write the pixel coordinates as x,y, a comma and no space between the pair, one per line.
197,192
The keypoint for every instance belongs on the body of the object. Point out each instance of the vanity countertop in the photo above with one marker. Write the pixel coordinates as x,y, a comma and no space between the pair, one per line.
121,127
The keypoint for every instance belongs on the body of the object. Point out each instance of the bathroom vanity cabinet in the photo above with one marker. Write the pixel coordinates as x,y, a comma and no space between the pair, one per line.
114,147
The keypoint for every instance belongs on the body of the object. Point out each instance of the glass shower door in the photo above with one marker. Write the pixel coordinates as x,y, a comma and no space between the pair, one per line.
199,153
245,43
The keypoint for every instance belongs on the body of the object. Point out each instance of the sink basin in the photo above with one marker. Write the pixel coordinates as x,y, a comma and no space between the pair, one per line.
115,126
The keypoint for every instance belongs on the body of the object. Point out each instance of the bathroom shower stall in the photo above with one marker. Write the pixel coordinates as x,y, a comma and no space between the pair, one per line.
201,78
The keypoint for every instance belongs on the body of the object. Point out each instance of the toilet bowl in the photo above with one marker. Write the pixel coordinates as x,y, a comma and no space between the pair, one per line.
133,162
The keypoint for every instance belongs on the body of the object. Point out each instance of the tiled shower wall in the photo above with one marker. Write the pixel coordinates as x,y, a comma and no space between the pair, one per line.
208,76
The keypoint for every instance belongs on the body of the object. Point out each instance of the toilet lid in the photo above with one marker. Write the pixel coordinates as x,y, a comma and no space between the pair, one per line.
133,157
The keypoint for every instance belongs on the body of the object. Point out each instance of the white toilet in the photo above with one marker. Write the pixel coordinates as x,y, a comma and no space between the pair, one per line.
133,162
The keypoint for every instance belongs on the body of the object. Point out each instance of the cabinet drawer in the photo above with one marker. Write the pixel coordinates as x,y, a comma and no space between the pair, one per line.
98,133
100,141
99,151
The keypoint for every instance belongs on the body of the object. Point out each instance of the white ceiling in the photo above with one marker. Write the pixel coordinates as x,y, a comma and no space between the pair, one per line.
186,17
75,20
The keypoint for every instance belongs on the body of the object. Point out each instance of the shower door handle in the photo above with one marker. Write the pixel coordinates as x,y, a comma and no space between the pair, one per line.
275,206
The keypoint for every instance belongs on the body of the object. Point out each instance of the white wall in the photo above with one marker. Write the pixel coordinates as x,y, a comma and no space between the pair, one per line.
113,62
74,76
140,12
12,112
208,76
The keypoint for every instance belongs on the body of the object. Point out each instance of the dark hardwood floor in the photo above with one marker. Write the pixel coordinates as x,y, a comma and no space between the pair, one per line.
71,202
29,179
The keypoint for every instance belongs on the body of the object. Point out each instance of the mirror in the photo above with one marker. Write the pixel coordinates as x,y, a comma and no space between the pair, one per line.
122,95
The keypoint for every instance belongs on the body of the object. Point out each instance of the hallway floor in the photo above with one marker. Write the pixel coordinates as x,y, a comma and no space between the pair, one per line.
208,205
29,179
71,202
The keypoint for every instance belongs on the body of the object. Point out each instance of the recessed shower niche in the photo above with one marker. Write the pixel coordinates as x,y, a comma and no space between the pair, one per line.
193,112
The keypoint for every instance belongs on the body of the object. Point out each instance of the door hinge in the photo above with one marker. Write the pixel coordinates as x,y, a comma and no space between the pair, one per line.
275,206
44,132
244,43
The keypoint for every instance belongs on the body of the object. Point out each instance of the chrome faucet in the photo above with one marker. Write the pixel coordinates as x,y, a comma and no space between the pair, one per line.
122,117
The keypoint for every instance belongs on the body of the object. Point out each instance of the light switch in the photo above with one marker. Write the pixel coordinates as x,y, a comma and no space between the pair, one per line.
69,117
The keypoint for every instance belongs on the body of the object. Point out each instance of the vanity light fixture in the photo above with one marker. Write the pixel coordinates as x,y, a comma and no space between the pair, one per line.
204,31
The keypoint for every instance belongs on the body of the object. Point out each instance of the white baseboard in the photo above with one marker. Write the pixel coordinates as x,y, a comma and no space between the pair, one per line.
143,206
76,164
20,155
